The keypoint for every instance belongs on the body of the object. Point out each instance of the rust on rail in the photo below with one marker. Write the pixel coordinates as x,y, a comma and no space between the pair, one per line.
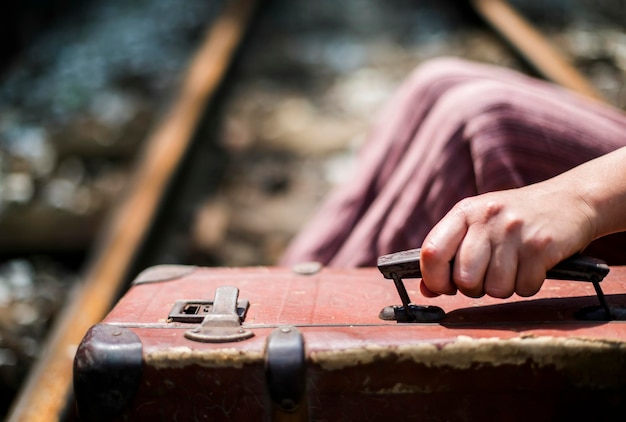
533,46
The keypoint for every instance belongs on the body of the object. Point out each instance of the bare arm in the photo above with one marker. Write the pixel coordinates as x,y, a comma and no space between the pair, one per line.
504,242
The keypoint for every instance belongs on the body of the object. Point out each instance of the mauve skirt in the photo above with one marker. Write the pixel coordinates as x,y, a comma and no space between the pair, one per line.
455,129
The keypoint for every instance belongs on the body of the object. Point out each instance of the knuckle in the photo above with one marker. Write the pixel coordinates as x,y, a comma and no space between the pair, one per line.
512,225
492,208
485,208
537,244
465,206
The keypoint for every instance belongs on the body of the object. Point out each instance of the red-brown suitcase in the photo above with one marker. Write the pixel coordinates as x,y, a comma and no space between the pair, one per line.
312,346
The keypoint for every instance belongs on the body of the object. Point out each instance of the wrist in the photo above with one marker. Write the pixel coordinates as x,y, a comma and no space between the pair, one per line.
601,187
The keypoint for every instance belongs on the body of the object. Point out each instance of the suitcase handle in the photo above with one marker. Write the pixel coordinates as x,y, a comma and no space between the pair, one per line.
406,264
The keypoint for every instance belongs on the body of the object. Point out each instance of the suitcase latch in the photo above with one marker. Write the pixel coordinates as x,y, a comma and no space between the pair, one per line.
222,320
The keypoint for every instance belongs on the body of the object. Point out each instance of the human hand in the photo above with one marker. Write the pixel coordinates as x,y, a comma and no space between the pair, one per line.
504,242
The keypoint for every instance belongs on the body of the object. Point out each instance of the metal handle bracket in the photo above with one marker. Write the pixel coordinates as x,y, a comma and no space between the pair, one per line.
222,324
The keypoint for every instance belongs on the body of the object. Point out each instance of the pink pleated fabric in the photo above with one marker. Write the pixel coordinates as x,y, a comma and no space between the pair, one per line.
455,129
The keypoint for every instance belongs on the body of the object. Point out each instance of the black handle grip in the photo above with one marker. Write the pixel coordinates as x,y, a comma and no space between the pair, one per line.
406,264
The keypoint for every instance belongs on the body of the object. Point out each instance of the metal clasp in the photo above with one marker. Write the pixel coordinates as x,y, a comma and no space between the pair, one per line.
405,264
222,323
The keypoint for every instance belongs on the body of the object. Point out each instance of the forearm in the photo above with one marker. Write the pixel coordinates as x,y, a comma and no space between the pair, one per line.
601,184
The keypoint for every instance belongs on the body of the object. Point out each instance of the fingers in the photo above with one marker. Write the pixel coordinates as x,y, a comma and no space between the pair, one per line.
471,263
481,269
499,245
439,249
500,280
487,252
426,292
530,276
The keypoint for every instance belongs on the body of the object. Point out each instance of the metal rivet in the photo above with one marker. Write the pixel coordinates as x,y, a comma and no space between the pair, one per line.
285,330
307,268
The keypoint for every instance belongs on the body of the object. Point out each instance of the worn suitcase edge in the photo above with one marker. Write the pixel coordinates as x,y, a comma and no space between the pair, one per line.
109,360
107,371
586,363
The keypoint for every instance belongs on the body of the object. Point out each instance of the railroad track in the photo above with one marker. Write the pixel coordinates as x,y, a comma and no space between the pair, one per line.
47,394
534,47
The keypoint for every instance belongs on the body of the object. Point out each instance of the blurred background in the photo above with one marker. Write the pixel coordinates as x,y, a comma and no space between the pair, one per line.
82,84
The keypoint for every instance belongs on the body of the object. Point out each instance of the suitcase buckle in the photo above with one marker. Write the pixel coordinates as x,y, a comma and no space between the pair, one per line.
222,322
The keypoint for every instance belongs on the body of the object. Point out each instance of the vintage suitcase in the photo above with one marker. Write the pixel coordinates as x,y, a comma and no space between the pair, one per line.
321,344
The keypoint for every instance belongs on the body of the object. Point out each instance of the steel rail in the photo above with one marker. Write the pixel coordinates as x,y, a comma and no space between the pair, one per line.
47,393
534,47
